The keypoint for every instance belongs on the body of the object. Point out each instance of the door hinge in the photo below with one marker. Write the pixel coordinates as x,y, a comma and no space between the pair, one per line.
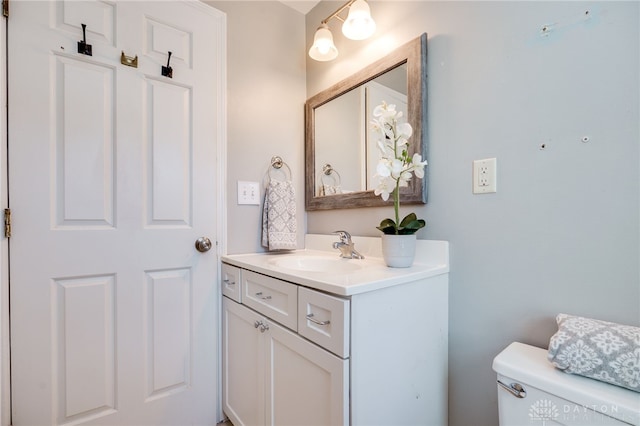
5,8
7,223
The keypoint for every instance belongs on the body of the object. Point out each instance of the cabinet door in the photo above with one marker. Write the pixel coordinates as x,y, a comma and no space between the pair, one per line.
306,385
242,365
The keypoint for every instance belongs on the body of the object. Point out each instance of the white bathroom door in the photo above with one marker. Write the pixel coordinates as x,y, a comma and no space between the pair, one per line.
112,174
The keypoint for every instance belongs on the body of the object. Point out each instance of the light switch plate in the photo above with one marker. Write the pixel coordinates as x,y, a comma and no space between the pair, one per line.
484,176
248,193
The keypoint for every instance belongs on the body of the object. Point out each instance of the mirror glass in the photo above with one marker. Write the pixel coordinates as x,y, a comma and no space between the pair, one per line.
341,149
347,155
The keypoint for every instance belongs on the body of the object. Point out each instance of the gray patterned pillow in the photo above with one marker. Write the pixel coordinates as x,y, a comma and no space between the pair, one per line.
597,349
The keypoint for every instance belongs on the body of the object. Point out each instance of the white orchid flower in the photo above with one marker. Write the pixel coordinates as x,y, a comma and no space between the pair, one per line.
405,130
389,131
397,167
405,177
417,165
383,168
401,141
384,187
378,110
384,110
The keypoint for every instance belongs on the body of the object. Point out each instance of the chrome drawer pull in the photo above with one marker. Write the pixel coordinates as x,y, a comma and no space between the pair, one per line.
315,321
259,294
228,282
515,389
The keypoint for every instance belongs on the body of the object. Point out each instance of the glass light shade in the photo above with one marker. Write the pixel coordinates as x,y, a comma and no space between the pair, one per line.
359,23
323,48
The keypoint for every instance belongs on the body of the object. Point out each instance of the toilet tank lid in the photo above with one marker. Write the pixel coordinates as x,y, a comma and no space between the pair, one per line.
528,365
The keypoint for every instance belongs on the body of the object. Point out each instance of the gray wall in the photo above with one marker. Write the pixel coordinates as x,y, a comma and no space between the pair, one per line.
562,232
265,108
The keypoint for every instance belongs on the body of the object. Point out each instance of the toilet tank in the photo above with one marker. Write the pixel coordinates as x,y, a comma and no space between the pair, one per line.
531,391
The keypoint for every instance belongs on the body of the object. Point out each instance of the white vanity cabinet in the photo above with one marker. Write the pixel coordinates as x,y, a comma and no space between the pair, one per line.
359,345
272,376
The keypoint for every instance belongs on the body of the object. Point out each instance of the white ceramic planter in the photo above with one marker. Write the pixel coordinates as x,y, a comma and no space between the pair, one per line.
399,251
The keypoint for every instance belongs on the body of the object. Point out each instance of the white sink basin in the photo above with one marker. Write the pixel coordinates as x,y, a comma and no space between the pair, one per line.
333,264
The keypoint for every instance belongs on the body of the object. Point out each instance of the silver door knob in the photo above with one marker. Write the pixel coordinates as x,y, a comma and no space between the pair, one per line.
203,244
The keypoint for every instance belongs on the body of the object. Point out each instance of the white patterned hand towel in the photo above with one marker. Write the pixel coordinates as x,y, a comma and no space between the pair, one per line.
279,216
597,349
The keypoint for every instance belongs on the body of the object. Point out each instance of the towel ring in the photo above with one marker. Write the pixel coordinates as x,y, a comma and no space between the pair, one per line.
277,163
332,188
328,170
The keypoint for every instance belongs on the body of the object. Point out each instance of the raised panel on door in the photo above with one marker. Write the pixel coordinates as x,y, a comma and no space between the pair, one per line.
84,338
84,144
169,147
306,385
98,16
243,363
162,38
168,331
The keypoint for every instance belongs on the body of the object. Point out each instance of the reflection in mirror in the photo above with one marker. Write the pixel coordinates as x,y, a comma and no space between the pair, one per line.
347,155
341,149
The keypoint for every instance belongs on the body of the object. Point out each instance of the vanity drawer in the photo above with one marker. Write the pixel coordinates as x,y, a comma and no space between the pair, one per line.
274,298
324,319
231,282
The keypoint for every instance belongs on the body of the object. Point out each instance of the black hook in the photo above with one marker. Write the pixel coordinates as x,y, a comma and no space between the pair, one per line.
83,47
168,71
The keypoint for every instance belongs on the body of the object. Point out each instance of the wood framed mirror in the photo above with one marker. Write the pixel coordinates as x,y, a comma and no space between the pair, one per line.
340,152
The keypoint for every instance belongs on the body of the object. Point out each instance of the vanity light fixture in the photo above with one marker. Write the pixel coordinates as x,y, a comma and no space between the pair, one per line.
323,48
358,25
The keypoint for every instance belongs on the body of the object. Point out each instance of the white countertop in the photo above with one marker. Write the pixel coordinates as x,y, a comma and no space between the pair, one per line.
350,276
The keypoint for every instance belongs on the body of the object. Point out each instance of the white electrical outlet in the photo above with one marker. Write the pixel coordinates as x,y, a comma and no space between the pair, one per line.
248,193
484,176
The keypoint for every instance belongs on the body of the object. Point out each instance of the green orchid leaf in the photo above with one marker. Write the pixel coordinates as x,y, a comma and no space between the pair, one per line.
387,226
387,222
412,227
415,224
410,224
408,219
390,230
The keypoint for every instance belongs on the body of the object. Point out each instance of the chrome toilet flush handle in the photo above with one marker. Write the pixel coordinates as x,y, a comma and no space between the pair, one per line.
515,389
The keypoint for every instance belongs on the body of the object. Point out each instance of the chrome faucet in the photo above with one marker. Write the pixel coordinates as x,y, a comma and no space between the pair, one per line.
346,246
